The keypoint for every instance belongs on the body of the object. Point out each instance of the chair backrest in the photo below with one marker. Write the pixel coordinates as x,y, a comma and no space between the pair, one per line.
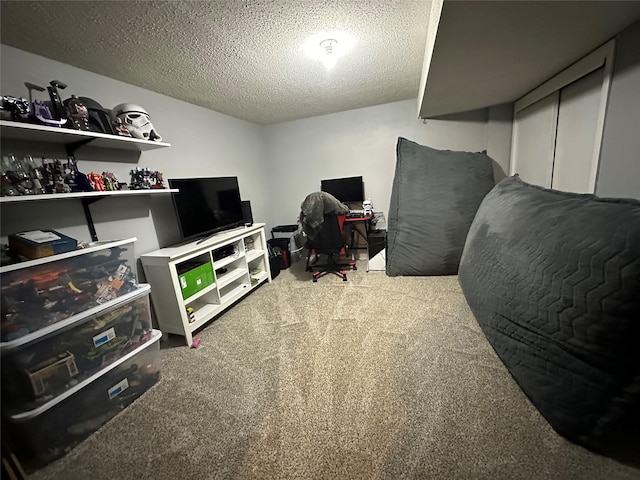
331,237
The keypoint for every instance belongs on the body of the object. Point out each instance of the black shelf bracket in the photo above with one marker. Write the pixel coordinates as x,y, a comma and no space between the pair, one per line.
72,147
87,214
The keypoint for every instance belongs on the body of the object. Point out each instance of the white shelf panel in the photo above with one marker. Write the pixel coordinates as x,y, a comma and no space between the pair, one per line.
203,313
226,261
261,277
254,255
197,295
230,276
62,196
233,294
43,133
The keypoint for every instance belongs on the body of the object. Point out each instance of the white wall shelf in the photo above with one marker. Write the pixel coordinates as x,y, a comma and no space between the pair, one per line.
87,195
73,139
66,136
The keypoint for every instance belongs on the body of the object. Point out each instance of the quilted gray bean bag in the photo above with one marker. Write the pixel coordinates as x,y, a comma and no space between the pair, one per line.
434,197
553,279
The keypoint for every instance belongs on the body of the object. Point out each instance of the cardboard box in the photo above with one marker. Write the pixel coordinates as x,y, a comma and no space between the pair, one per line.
41,243
194,277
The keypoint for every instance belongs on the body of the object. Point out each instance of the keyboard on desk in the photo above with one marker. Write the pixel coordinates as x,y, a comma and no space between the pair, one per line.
355,214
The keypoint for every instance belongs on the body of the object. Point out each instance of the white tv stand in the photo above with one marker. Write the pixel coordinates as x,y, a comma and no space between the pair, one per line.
244,270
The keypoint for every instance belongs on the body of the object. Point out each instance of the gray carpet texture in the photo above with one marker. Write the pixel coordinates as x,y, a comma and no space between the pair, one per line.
375,378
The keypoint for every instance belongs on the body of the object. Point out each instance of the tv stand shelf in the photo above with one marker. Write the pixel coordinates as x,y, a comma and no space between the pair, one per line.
191,271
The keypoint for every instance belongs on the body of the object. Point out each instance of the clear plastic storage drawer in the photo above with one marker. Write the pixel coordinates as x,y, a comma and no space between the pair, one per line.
41,365
51,430
41,292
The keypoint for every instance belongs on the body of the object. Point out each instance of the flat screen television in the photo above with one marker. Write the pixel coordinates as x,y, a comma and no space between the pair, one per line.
347,190
205,206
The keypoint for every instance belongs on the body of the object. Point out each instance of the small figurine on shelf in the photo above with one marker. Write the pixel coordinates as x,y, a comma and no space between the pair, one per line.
96,181
140,179
14,108
70,174
158,180
78,113
58,179
35,172
18,176
110,181
120,128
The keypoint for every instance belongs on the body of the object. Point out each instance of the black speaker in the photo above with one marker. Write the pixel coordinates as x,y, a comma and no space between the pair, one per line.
246,213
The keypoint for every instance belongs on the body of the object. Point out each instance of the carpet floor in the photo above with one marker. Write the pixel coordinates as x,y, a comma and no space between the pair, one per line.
375,378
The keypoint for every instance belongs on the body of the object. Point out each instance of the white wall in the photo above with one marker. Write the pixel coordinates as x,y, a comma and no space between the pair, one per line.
356,142
499,130
619,172
204,143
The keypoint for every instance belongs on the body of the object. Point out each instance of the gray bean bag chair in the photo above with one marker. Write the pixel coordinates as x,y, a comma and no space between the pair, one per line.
553,279
434,197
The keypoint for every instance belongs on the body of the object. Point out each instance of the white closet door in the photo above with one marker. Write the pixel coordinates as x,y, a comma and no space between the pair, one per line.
577,140
533,143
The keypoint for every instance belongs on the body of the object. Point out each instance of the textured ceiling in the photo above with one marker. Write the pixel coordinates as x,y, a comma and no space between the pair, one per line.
241,58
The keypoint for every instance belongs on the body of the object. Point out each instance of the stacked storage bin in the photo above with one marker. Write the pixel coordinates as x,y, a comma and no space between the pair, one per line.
77,345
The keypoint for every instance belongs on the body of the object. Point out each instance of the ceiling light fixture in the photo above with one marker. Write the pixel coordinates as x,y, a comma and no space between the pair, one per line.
329,58
328,47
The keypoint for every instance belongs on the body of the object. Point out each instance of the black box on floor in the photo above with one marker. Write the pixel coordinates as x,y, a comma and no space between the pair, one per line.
281,245
377,240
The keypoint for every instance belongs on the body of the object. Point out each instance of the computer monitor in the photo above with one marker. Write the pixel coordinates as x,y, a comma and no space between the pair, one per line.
347,190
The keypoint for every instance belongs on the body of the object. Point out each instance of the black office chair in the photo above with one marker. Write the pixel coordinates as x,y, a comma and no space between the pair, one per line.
329,240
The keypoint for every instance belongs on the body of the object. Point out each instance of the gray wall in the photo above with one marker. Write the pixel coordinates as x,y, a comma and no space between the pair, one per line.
277,165
203,143
356,142
619,171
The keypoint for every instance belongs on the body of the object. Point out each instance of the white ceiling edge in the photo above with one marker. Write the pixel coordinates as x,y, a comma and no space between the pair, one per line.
493,52
432,30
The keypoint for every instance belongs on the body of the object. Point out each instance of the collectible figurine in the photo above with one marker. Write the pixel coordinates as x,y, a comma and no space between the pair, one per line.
110,181
16,109
140,179
120,128
96,181
367,207
158,180
78,113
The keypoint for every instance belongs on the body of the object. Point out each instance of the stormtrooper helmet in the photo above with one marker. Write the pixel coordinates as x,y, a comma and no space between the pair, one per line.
136,120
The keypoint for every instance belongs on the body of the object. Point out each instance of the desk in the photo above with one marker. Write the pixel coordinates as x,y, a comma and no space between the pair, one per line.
356,224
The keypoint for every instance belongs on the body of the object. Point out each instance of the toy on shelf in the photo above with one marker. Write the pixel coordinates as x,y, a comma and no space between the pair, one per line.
137,121
14,108
158,179
145,179
110,181
49,175
96,181
15,177
78,113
